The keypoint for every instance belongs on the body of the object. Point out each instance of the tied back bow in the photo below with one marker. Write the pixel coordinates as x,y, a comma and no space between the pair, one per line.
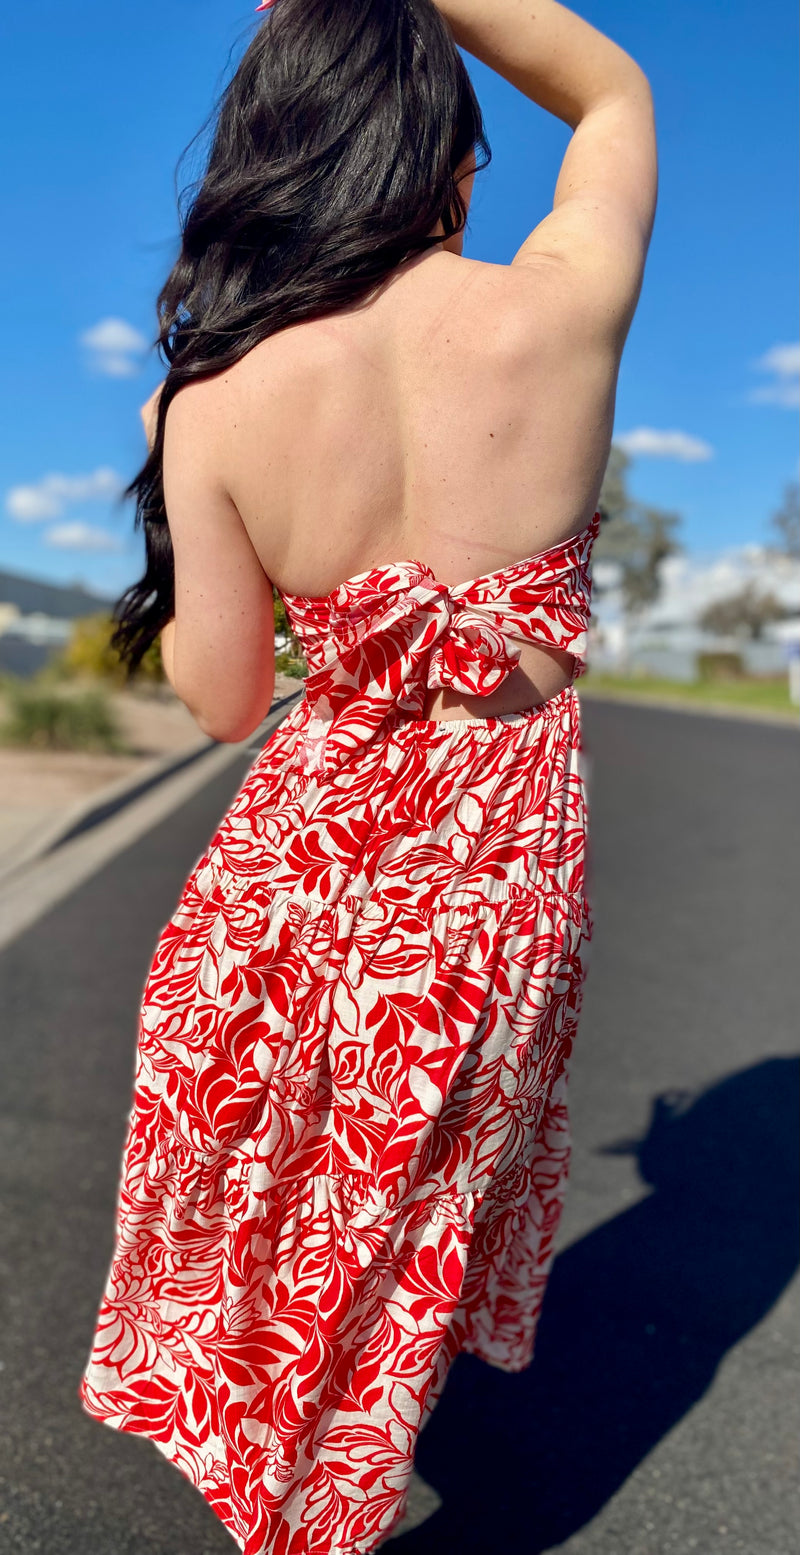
383,639
474,656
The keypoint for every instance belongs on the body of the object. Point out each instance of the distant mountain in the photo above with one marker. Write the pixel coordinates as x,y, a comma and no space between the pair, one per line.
65,602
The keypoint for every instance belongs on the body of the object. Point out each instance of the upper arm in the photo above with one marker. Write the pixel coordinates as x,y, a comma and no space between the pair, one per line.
603,208
224,649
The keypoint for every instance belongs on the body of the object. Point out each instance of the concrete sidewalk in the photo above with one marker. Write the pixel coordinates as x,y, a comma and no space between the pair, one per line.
80,845
47,796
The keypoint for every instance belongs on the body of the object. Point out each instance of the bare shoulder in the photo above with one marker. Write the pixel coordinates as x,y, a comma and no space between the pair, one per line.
203,412
492,305
518,307
194,410
200,427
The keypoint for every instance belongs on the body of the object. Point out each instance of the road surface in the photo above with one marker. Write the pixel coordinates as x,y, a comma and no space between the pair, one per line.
660,1413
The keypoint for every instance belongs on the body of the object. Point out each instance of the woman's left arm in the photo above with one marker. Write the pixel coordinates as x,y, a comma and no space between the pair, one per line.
218,650
168,650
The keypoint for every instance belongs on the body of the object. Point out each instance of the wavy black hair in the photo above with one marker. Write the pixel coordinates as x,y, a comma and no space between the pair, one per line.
336,148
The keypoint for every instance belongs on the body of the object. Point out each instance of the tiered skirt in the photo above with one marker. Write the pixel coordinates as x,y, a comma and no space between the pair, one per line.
348,1142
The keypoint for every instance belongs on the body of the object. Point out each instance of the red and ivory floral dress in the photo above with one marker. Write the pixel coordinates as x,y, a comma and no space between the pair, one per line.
348,1144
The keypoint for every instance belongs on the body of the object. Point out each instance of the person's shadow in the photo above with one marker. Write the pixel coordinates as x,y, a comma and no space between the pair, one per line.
637,1317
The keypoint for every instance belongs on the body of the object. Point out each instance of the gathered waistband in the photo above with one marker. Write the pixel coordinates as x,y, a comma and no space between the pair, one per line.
547,708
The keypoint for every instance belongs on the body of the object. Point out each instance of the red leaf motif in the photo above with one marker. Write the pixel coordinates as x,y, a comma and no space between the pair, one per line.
348,1141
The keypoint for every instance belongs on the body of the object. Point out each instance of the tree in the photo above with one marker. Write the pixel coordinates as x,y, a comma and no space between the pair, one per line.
635,534
291,660
742,615
283,626
785,521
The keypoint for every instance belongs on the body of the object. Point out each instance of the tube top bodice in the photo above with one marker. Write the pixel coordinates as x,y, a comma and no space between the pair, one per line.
385,637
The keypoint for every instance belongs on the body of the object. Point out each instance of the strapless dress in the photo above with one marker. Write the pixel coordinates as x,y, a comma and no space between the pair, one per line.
348,1142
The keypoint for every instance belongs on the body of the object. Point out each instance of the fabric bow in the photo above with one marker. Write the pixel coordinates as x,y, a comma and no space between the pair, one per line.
388,657
379,642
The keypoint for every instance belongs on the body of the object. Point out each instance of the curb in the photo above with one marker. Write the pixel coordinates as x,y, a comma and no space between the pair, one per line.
108,801
757,715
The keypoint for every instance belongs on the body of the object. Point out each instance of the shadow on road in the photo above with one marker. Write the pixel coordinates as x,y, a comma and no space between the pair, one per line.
637,1318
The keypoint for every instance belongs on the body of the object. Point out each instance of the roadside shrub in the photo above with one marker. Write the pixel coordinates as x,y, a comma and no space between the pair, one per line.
44,720
290,664
89,652
720,666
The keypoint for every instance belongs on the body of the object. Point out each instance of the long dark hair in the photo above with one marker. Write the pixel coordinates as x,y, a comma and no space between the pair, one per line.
334,154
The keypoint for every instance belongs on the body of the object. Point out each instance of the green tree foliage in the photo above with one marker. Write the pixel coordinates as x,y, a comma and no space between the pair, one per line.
742,615
291,661
635,534
283,627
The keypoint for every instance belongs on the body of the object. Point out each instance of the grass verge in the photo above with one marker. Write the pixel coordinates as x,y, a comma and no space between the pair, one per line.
770,696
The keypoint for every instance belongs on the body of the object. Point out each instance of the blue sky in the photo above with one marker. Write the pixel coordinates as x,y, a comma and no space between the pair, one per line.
97,104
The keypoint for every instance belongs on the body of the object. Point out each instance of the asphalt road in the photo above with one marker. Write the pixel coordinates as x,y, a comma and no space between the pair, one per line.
661,1411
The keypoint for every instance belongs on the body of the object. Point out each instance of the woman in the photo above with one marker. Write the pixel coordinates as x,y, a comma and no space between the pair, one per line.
348,1146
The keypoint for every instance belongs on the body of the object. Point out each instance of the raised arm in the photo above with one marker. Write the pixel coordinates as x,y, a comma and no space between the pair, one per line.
605,196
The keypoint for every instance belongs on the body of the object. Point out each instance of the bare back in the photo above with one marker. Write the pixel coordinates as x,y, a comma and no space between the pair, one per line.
462,417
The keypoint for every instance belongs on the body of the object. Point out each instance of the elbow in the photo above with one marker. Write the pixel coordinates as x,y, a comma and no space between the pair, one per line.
230,718
224,732
227,730
627,81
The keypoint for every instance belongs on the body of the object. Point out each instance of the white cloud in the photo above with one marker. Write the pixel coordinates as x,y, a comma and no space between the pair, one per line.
78,536
782,362
664,445
49,497
115,348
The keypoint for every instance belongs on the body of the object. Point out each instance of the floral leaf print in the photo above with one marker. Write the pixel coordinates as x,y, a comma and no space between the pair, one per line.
348,1142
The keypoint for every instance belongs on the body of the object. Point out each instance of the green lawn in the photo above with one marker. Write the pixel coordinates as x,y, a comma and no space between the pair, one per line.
767,695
